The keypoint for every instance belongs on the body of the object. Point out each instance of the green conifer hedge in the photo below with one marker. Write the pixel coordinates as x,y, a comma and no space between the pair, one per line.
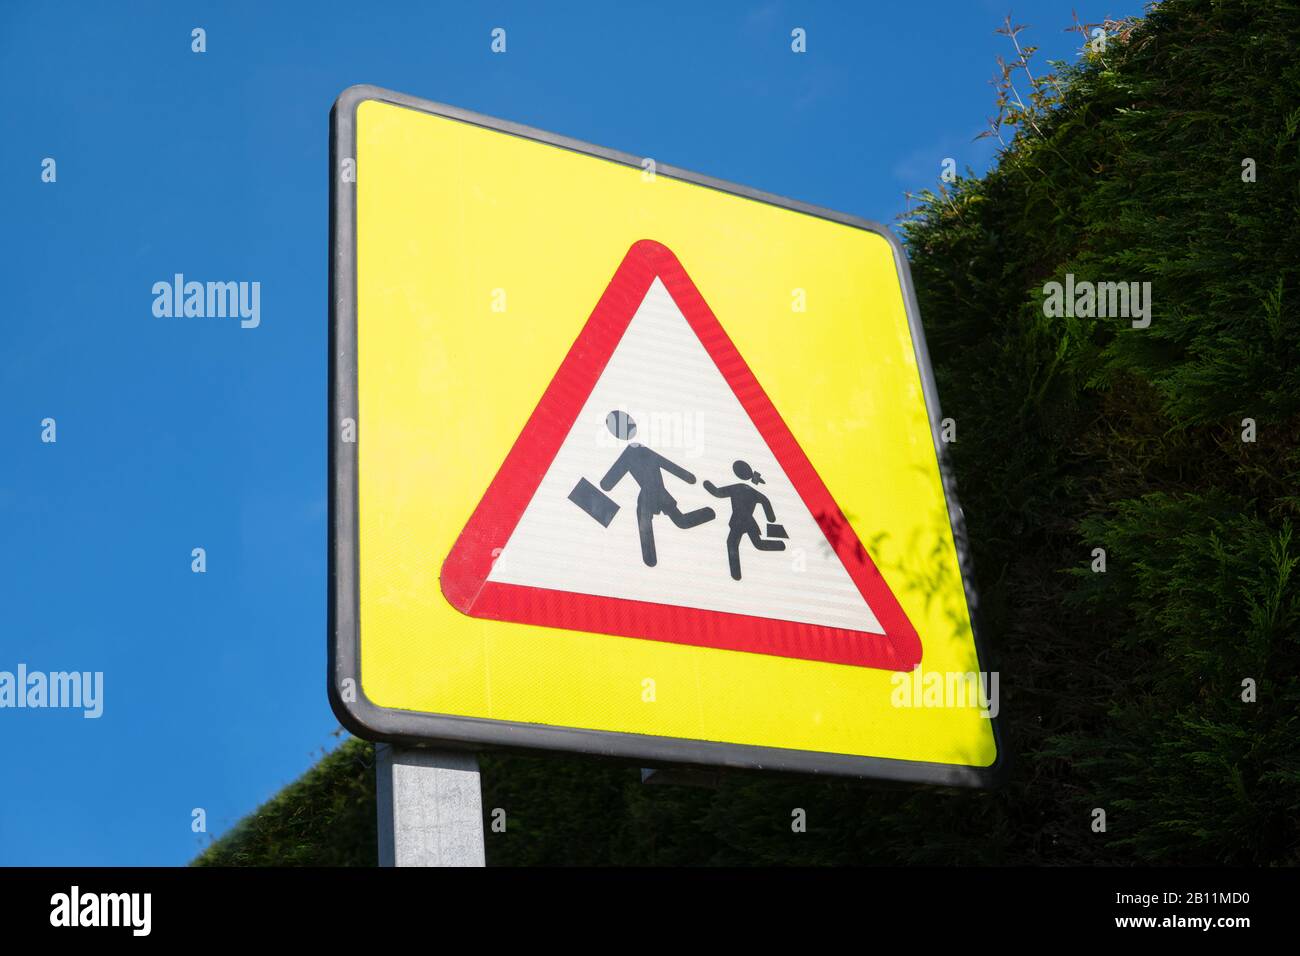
1164,690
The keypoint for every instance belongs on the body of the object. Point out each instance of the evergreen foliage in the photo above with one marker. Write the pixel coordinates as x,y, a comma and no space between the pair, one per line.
325,818
1121,690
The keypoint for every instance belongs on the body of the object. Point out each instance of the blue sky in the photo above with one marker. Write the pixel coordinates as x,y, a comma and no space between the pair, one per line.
177,435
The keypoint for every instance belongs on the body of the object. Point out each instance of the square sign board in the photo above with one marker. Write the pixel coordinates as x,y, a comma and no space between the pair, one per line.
630,461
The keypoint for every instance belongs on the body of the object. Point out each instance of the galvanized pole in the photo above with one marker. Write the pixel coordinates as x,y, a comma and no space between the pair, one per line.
430,807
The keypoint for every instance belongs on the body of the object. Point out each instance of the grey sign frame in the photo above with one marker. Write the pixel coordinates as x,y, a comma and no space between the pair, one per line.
368,720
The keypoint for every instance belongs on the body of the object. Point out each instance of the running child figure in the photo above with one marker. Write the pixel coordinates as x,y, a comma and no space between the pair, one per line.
744,499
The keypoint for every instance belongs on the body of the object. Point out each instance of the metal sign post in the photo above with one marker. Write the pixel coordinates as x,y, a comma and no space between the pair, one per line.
430,807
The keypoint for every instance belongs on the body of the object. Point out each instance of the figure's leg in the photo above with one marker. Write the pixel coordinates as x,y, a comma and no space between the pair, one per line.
733,551
644,517
689,520
775,544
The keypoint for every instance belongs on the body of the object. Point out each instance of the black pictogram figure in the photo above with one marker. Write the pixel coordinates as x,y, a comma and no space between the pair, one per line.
744,499
646,468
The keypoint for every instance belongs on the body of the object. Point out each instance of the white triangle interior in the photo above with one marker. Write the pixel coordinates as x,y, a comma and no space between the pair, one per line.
684,409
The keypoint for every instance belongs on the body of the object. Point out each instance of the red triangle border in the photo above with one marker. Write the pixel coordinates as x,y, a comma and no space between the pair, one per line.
463,578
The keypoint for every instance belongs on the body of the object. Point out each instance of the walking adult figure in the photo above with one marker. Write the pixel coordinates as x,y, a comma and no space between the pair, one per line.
647,469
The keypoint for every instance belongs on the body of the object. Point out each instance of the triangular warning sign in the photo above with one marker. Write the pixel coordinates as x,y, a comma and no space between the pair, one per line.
656,493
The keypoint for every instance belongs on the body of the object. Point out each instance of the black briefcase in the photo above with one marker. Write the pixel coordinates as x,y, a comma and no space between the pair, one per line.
594,501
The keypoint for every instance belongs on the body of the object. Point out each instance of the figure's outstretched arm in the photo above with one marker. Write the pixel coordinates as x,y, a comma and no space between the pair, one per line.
712,489
616,471
672,469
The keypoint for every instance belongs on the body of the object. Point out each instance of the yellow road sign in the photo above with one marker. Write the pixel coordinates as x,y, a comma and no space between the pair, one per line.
630,461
